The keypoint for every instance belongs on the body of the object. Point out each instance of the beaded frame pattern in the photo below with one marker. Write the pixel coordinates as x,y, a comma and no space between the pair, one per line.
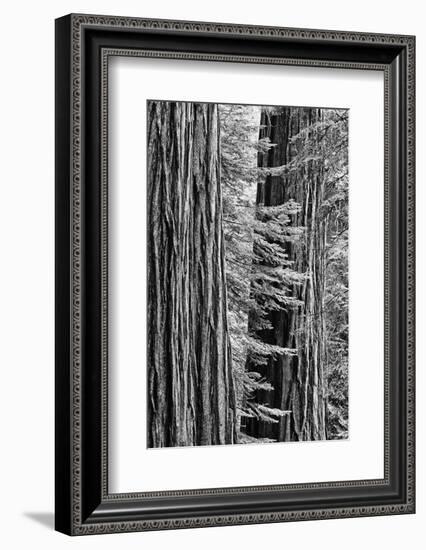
77,24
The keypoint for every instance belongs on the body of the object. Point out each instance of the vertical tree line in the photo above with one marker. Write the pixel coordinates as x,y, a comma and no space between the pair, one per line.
247,274
190,385
297,379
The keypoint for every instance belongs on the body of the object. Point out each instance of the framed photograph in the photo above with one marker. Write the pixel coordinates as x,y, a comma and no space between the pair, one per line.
234,274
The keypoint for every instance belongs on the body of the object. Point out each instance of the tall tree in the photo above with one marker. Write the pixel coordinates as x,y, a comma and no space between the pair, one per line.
247,229
190,386
294,172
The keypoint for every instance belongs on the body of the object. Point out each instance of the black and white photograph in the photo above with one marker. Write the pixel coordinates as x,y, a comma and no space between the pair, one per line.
209,275
248,290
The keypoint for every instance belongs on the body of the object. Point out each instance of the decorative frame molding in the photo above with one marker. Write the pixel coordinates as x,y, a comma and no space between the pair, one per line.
84,44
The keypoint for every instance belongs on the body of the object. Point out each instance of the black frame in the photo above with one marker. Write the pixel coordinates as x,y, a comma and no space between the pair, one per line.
83,45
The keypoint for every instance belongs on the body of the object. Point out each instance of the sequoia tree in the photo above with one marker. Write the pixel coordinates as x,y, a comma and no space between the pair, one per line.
292,170
190,383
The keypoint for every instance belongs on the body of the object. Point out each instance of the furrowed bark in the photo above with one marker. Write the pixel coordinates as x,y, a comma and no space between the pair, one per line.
298,381
190,387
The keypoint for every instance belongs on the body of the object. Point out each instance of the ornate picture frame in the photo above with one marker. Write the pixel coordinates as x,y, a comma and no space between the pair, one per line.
84,45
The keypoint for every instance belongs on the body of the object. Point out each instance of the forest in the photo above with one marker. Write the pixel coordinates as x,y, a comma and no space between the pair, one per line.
247,274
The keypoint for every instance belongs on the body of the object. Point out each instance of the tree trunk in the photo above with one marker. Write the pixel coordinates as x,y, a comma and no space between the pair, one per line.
190,387
298,381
